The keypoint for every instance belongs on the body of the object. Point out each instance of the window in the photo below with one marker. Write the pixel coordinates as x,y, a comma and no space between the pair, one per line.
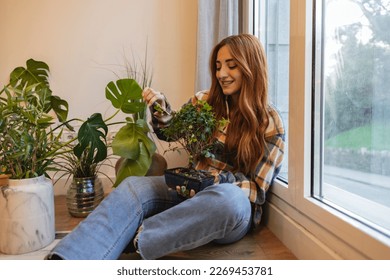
312,58
351,168
271,26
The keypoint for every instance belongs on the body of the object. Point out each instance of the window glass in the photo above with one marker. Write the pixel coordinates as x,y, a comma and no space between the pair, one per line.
352,109
272,24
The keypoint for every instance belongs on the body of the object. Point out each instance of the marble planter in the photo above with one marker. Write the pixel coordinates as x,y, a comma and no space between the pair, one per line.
26,215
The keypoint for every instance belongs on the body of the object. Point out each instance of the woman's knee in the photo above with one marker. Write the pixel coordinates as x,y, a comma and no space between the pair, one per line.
135,189
230,199
139,183
229,192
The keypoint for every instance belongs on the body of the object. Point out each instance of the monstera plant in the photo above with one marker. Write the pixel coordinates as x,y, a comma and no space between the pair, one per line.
131,142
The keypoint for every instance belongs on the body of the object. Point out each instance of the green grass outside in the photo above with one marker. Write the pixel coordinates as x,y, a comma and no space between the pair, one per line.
375,137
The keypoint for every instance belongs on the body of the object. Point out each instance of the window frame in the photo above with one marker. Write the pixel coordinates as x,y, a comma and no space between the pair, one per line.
323,191
339,234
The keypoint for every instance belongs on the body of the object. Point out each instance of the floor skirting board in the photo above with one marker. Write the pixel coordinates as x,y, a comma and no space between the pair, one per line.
303,244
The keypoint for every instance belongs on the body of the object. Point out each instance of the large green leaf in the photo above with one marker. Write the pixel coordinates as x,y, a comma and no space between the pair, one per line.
36,72
92,138
137,167
126,141
126,95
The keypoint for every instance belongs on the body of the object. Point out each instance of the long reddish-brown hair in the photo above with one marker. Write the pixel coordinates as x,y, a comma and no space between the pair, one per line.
249,118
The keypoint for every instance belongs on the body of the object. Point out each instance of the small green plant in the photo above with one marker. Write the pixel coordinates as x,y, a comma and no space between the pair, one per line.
69,164
193,127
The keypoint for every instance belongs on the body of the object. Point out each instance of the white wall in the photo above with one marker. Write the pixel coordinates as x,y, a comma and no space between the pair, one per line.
86,42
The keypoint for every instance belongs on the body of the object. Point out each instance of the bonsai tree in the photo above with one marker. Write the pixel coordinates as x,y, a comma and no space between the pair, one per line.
28,143
192,128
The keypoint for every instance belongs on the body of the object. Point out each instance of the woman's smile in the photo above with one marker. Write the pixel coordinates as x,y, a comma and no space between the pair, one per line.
227,72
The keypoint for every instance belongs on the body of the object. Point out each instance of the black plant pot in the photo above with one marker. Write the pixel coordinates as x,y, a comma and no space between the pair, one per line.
190,178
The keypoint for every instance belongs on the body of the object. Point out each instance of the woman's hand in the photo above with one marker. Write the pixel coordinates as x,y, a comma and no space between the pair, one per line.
183,191
151,96
155,99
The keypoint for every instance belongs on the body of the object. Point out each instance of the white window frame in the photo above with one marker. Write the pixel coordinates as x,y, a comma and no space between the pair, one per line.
310,228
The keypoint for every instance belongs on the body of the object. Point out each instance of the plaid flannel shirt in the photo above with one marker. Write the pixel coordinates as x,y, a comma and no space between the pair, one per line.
269,166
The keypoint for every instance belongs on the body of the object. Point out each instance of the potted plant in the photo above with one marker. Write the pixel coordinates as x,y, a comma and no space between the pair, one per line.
131,143
85,191
136,150
28,146
192,127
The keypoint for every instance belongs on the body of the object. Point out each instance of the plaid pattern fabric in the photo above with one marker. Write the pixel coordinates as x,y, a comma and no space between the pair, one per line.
221,167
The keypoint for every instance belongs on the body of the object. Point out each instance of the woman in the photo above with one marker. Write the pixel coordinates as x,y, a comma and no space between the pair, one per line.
142,213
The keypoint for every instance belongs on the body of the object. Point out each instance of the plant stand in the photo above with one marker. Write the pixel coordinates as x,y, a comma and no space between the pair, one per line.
190,178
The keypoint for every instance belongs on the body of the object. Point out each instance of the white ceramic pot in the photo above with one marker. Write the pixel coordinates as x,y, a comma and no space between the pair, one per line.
26,215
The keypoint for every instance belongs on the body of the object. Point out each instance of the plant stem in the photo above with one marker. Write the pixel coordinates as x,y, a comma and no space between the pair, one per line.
110,118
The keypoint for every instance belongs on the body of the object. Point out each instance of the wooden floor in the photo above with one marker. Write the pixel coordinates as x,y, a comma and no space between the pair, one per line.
261,244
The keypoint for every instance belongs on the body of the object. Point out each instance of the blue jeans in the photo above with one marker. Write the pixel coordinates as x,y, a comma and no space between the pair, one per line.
220,213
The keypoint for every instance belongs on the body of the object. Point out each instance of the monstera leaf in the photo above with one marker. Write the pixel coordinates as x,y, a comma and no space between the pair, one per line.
127,141
60,107
126,95
137,167
36,74
91,137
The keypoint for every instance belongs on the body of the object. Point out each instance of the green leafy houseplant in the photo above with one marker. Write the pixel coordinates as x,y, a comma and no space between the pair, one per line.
30,140
131,142
85,191
68,164
28,143
192,127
